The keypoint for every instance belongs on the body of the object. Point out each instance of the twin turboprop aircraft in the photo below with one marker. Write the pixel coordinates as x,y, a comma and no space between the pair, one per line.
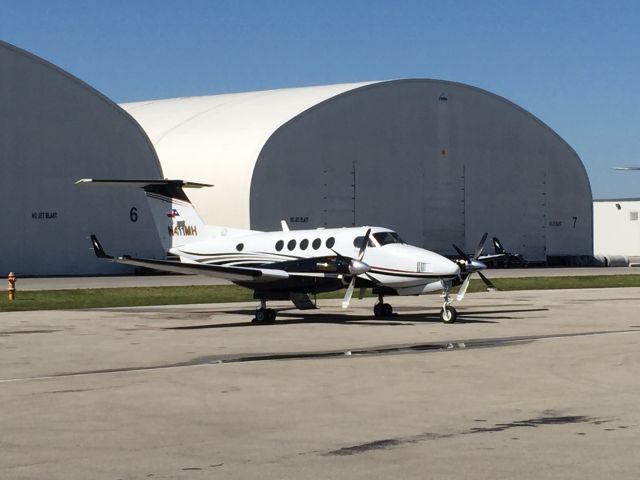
290,265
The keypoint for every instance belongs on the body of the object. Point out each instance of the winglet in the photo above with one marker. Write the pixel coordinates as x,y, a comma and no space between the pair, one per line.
97,248
285,227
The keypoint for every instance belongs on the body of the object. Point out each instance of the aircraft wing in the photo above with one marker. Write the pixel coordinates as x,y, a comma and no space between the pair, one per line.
486,258
218,271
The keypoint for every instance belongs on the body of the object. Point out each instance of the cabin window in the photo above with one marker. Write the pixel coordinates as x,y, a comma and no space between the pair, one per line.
330,242
316,243
279,245
304,244
291,245
240,247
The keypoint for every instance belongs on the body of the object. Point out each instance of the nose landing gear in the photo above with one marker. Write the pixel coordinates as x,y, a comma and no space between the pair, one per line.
448,314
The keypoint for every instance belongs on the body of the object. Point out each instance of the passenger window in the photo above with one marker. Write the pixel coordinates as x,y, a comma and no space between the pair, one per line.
240,247
331,242
304,244
279,245
316,243
291,245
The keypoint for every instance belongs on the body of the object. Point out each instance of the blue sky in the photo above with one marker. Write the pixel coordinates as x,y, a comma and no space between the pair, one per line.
574,64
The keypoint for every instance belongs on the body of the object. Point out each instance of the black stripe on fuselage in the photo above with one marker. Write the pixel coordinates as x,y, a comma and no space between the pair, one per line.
406,274
253,259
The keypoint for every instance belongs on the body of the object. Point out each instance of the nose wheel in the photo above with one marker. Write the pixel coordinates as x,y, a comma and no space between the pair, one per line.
448,314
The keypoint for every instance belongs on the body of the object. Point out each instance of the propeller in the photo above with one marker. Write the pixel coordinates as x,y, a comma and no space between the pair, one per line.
470,265
356,267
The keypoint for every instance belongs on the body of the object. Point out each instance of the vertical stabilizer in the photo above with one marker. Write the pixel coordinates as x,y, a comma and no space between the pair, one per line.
176,219
497,246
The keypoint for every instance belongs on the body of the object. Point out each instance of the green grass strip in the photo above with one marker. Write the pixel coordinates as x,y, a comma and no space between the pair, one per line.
147,296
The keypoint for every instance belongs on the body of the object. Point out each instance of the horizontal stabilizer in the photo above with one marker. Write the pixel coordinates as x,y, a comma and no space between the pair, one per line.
144,184
165,188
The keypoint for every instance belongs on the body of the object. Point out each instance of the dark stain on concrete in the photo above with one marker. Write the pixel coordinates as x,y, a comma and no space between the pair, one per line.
533,423
24,332
387,443
453,345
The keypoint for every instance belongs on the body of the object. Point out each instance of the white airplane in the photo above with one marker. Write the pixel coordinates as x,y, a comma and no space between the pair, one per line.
290,265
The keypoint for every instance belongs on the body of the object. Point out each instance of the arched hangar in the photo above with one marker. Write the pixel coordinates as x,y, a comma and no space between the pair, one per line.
438,161
55,129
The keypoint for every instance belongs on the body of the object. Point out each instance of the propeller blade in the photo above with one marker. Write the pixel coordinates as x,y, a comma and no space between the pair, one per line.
347,297
487,282
460,252
481,245
361,293
463,288
363,247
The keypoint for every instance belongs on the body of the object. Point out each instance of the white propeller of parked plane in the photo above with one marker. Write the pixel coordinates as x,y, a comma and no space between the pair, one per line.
356,267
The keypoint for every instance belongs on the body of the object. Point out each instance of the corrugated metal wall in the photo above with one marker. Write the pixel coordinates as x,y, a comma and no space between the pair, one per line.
54,130
438,161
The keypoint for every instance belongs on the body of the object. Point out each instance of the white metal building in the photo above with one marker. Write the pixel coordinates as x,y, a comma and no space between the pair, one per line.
616,227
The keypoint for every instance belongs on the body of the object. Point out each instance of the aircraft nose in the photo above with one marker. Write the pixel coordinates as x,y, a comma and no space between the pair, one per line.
439,265
450,268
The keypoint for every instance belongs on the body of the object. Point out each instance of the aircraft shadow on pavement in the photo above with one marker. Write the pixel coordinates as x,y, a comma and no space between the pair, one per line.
286,317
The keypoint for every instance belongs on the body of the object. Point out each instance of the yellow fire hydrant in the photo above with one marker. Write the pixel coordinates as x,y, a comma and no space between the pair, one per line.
12,286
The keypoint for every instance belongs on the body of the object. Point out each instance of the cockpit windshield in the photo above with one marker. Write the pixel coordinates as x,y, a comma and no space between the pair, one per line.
358,241
385,238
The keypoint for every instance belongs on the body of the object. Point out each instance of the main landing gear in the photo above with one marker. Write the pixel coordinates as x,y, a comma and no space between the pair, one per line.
382,309
264,315
448,314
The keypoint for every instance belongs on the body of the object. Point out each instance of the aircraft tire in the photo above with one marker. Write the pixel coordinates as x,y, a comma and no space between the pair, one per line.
378,310
387,310
448,314
262,315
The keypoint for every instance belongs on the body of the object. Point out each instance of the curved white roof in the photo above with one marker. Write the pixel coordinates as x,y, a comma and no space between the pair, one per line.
217,139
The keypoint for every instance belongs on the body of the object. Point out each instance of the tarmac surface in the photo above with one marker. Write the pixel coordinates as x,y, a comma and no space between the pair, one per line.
528,385
64,283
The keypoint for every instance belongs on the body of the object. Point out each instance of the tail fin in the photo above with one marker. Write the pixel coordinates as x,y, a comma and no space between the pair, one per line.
497,246
176,219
